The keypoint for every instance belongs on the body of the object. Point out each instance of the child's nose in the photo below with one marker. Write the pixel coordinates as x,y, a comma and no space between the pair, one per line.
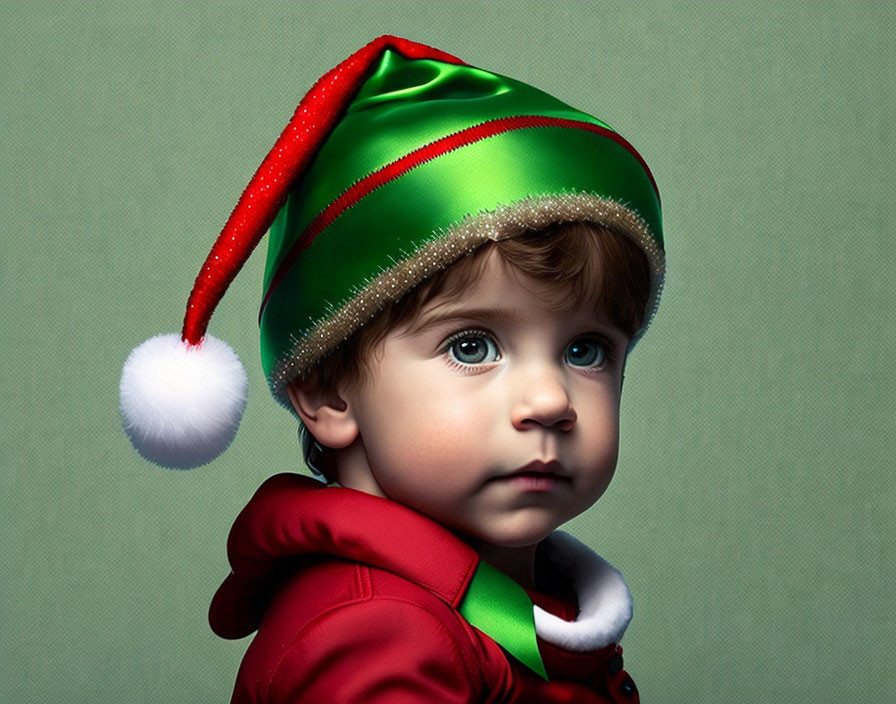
543,401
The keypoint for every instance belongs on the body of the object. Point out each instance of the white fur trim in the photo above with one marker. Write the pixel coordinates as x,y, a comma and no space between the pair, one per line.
605,604
181,405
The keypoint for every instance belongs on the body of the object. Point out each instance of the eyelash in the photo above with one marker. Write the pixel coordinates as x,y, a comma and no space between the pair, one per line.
610,353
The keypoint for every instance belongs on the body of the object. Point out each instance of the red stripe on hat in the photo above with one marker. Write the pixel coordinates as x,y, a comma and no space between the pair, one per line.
422,155
314,118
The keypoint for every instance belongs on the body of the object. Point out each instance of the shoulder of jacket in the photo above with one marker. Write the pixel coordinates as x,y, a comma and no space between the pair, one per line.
337,610
355,647
332,583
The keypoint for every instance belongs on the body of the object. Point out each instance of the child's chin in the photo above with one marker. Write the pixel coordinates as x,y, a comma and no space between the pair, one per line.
518,537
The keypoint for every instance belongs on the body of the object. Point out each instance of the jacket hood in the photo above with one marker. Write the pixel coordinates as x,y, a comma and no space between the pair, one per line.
291,516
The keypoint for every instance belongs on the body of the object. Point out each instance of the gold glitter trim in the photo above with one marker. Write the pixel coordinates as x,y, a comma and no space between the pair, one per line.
446,247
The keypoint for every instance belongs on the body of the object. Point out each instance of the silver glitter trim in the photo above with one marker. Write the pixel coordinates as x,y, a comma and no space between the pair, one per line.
446,247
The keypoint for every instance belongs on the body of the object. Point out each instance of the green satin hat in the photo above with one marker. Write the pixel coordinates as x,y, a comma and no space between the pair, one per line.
430,160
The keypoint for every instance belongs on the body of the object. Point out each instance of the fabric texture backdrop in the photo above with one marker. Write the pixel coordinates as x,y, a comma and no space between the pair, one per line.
753,508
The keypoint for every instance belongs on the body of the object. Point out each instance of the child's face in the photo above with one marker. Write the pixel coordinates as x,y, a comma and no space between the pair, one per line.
492,412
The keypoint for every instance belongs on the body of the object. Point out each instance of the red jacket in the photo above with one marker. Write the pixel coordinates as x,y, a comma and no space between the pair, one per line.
357,598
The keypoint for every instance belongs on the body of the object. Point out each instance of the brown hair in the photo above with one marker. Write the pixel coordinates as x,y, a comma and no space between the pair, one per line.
576,261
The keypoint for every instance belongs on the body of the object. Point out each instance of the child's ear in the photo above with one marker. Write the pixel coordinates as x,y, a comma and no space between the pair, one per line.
324,412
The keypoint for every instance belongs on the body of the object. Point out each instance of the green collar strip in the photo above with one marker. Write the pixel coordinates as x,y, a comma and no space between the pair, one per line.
501,608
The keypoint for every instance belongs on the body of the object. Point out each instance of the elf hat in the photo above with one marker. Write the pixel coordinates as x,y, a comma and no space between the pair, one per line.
397,163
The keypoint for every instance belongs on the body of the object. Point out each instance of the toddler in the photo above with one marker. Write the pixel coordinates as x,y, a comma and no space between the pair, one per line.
458,266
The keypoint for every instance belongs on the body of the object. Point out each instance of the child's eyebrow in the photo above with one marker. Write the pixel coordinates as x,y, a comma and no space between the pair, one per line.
466,315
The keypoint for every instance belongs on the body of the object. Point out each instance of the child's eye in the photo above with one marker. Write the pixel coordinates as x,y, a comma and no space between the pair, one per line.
586,352
472,348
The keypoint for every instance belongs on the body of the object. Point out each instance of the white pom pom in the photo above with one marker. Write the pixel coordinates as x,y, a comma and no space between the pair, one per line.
181,405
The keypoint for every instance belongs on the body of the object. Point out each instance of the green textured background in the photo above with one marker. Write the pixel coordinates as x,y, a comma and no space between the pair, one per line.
753,511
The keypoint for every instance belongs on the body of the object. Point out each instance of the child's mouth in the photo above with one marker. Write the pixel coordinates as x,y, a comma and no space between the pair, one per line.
537,476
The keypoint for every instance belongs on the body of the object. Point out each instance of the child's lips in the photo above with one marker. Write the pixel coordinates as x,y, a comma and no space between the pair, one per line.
538,475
